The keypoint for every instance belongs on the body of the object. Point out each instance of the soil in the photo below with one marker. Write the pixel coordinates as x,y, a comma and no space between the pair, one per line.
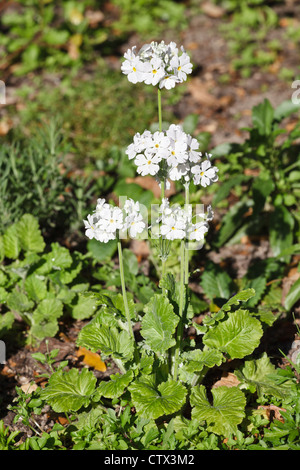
223,110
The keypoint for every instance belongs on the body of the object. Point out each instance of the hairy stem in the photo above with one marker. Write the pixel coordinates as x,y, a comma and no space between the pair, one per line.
181,319
124,294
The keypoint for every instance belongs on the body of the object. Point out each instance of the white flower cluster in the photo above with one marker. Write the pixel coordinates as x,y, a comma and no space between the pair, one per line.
157,64
173,155
176,223
106,220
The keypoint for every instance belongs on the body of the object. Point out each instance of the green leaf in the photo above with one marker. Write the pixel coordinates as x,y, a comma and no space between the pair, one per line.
6,322
257,376
85,307
35,287
285,109
224,190
59,257
232,221
44,318
19,302
241,296
152,402
216,283
257,284
159,324
11,242
196,359
2,250
69,391
293,295
102,251
281,230
29,234
262,117
237,336
115,387
224,414
110,341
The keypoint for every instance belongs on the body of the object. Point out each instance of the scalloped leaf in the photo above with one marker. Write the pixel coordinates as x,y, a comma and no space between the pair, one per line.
224,414
159,324
258,376
29,234
69,391
237,336
152,402
115,387
109,340
197,359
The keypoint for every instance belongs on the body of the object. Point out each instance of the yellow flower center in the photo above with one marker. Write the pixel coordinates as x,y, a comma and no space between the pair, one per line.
179,68
156,145
173,228
173,153
149,162
202,173
134,69
111,221
154,71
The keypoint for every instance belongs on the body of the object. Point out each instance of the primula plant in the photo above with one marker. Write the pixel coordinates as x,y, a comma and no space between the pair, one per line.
161,368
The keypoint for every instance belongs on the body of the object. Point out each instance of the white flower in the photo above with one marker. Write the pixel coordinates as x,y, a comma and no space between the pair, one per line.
157,63
176,134
182,65
135,224
169,81
197,231
154,73
147,164
90,226
159,144
178,153
204,173
111,219
173,228
178,171
134,69
193,146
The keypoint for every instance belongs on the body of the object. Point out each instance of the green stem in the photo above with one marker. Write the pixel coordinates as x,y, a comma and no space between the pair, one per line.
160,130
181,320
124,294
186,252
162,183
120,253
159,109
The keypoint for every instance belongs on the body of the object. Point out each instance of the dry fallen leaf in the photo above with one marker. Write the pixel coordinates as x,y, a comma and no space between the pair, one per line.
228,379
91,359
29,388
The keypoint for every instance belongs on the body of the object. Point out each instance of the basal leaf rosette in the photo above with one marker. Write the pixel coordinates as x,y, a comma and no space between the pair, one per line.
224,414
153,401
